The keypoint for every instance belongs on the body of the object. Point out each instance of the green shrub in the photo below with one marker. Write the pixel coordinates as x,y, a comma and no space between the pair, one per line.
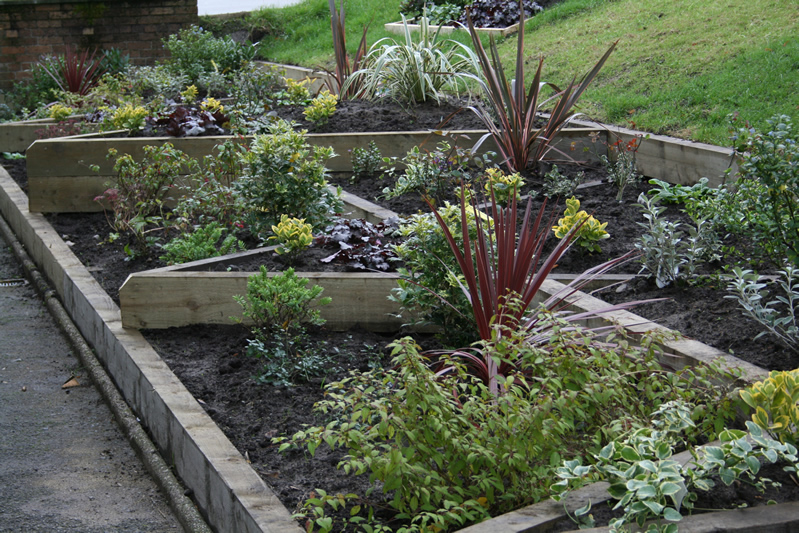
281,302
128,117
779,316
559,185
502,185
667,254
283,176
141,188
448,452
765,201
158,81
293,235
366,161
776,404
59,112
321,108
210,196
590,232
254,87
196,53
280,307
433,173
200,244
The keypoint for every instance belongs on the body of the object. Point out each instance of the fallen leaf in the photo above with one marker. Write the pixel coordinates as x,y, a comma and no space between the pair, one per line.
71,382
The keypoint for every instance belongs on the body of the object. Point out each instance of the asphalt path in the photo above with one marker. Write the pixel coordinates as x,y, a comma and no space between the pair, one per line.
64,463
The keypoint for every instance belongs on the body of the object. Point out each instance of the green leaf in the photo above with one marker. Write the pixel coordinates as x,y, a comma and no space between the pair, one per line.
671,514
647,491
583,510
669,488
392,483
754,464
654,506
617,490
628,453
326,523
727,476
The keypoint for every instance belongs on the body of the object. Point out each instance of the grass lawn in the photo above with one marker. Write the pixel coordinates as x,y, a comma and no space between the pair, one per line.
680,68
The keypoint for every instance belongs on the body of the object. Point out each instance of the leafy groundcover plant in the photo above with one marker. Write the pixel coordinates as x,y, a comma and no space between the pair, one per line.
653,489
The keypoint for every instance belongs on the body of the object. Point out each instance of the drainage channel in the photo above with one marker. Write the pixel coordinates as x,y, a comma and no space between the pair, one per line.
16,282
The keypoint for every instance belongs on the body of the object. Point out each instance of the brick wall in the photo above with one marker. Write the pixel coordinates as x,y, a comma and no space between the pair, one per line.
29,29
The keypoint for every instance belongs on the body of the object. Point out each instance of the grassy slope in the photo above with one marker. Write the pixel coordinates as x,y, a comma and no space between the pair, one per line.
680,67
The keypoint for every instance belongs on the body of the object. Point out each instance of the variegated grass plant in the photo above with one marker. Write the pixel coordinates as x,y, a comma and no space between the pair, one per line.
415,71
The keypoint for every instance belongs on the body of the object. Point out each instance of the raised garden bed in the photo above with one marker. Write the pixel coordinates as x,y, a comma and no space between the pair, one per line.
180,425
60,179
18,136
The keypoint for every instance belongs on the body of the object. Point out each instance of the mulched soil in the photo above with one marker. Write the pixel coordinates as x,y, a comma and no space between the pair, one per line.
211,360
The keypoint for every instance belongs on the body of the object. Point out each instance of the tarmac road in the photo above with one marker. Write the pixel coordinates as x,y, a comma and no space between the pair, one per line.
64,464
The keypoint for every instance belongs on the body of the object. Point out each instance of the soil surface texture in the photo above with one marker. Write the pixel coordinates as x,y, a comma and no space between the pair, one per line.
212,362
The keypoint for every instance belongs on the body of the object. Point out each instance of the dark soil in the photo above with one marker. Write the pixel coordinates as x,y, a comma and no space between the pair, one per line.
357,116
211,362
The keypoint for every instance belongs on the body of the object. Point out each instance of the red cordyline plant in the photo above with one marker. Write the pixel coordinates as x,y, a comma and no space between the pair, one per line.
77,73
343,66
502,274
515,108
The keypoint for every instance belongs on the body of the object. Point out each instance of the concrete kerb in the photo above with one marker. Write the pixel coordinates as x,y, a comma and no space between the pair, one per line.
228,492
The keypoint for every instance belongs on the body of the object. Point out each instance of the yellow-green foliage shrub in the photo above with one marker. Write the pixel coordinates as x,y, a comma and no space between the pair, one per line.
591,231
775,403
293,235
129,117
59,112
321,108
503,184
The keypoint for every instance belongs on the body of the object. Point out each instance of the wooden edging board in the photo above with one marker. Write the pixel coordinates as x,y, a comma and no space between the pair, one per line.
230,495
399,27
60,179
670,159
18,136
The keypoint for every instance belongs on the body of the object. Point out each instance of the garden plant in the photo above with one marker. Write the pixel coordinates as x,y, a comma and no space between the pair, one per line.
525,392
